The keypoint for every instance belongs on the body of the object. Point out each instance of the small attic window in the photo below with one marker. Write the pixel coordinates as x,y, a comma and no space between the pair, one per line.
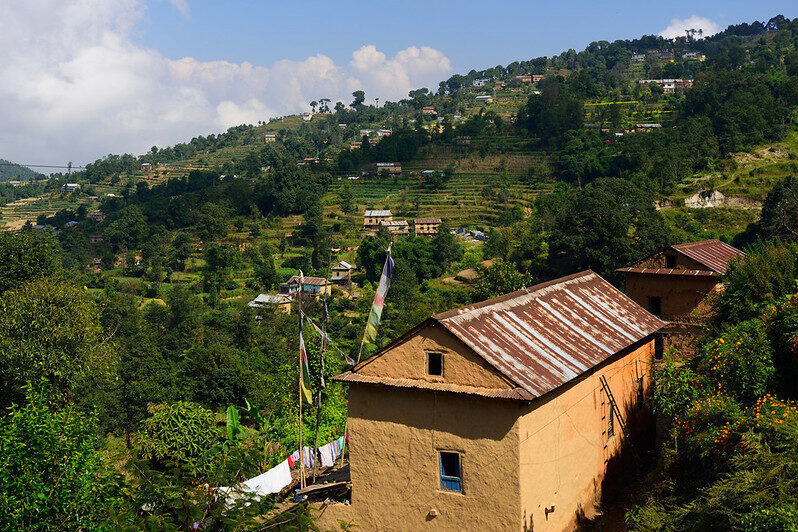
435,364
670,261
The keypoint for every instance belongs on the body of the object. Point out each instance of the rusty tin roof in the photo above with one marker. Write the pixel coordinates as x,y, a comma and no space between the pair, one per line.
544,336
713,254
669,271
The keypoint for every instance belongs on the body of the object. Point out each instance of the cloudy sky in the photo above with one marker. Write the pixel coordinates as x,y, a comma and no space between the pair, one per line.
84,78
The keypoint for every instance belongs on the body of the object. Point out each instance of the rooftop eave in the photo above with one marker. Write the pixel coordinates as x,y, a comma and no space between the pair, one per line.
516,394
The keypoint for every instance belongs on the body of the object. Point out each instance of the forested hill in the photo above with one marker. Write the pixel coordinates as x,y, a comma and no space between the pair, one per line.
10,171
128,345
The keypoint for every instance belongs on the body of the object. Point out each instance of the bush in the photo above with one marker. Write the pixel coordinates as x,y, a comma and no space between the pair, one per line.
176,436
741,361
51,474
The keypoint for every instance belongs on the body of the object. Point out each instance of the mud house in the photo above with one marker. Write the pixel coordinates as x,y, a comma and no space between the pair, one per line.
498,415
281,302
674,284
270,137
341,273
97,216
396,227
311,286
426,226
374,218
388,168
428,111
484,98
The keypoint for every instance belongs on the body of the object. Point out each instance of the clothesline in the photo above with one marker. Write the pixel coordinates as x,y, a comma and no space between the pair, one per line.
277,478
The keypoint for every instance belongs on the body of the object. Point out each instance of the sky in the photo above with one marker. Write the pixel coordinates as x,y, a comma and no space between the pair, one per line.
86,78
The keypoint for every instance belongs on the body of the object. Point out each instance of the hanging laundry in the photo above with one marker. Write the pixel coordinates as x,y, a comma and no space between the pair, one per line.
327,458
272,481
308,456
294,458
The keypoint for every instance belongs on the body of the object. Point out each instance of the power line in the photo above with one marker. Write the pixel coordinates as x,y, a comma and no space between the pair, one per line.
43,166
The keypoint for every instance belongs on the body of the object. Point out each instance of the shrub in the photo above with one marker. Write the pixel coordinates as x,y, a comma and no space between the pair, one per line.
740,362
176,436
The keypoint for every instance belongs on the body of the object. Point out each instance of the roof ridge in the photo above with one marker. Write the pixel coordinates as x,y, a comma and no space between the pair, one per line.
512,295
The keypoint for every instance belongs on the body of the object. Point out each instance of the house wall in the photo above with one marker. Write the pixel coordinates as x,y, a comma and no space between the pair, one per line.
395,436
408,360
681,294
563,442
660,261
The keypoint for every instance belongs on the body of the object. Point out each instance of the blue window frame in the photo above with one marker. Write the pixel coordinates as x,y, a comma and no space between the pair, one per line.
451,476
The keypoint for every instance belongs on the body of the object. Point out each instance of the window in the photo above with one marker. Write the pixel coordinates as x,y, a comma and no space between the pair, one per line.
451,477
670,261
435,364
655,305
659,346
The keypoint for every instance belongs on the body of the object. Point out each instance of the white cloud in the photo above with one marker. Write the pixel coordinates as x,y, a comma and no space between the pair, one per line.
182,6
78,86
678,27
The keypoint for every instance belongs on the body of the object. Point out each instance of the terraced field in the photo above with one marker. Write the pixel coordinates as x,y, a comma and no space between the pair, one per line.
464,201
16,214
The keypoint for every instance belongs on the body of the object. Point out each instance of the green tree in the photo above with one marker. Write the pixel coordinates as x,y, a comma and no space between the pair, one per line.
609,224
26,255
347,199
445,248
51,471
49,329
500,278
359,97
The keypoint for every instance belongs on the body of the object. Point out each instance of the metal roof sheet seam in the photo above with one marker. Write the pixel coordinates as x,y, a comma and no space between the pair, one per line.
546,335
713,254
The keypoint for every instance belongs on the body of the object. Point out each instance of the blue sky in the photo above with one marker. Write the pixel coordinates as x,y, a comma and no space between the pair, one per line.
472,34
89,78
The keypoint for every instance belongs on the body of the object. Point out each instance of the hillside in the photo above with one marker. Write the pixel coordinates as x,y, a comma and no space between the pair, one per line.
11,171
152,316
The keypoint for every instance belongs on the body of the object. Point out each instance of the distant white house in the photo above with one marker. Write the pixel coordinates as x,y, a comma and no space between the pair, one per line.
484,98
69,188
480,82
280,301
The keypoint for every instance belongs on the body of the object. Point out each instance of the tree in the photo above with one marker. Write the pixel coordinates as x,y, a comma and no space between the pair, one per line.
360,97
180,251
50,330
218,269
347,199
51,471
500,278
609,224
26,255
265,270
445,248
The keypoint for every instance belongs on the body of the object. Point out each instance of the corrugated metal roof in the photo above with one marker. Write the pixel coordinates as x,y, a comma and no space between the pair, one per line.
342,265
669,271
374,214
711,253
427,220
542,337
307,280
495,393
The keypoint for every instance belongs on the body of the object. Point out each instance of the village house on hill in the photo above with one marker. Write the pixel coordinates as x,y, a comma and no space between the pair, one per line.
312,286
341,273
396,227
498,415
281,302
426,226
372,219
674,284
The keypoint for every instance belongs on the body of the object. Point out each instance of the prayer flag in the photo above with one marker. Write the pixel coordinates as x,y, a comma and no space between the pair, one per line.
379,300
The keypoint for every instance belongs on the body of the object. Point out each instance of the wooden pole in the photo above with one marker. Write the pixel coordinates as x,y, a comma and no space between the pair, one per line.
301,442
321,357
